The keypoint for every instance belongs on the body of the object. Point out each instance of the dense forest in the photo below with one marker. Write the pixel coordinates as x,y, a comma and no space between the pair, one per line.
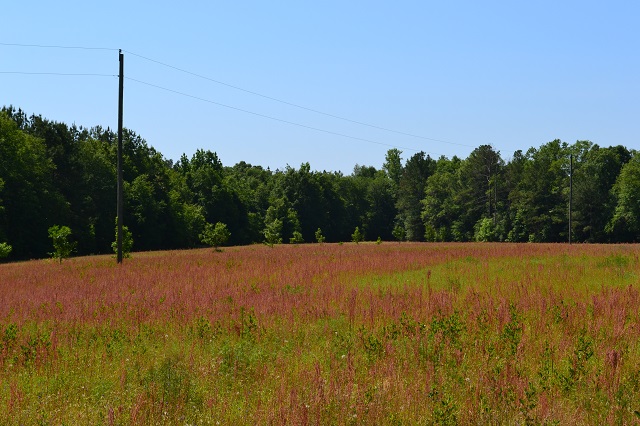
55,174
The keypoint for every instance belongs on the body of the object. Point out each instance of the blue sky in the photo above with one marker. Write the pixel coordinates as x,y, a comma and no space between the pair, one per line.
458,74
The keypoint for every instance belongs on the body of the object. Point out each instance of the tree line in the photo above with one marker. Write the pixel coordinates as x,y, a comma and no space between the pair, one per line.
53,174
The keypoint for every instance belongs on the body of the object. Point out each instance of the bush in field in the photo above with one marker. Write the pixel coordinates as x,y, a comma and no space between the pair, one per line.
5,249
357,236
297,238
215,235
319,236
272,233
62,245
398,233
127,241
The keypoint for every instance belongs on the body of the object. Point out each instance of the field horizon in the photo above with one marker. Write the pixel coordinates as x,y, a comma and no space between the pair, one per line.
391,333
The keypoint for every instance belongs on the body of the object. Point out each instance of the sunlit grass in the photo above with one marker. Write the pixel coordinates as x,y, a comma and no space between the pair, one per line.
325,334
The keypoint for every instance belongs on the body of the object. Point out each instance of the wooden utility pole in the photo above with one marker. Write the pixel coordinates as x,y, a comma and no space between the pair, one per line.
495,203
120,201
570,192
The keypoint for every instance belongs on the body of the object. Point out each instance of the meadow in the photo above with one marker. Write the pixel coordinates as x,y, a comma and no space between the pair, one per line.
320,334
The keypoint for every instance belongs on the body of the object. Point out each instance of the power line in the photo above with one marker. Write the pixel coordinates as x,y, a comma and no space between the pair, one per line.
58,74
236,88
296,105
44,46
274,118
228,106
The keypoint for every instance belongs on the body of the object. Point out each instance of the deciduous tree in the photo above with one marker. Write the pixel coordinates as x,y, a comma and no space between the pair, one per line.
62,244
215,235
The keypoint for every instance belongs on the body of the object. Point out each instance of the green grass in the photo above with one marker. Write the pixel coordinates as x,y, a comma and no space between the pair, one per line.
338,334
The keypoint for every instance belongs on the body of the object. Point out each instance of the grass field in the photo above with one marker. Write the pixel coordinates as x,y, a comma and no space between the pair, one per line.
396,334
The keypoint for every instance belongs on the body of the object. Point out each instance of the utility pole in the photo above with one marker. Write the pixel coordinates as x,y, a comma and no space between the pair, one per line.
495,204
570,192
120,198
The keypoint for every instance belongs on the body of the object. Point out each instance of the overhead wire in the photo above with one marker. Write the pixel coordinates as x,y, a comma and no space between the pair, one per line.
51,46
294,104
330,132
59,74
188,95
229,106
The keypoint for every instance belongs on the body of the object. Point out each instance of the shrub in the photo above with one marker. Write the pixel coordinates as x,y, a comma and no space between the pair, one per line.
5,249
62,245
398,233
357,236
272,233
215,235
127,241
297,238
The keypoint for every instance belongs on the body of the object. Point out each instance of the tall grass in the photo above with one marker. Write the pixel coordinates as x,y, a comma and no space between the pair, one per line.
325,334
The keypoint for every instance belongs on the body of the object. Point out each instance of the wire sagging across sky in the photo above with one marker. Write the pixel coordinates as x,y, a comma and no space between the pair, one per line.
45,46
64,74
246,111
294,104
274,118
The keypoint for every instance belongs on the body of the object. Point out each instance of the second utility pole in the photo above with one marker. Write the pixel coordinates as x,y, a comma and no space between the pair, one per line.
570,192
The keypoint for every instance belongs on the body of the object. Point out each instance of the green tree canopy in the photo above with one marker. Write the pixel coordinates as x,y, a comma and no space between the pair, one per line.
30,201
54,173
625,222
411,189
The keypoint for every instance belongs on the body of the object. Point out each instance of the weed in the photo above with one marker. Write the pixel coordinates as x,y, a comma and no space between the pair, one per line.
546,371
512,332
203,329
451,327
373,346
445,411
170,389
248,327
577,364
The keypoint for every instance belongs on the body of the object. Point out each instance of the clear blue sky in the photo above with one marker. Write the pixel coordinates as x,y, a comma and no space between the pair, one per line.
512,74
